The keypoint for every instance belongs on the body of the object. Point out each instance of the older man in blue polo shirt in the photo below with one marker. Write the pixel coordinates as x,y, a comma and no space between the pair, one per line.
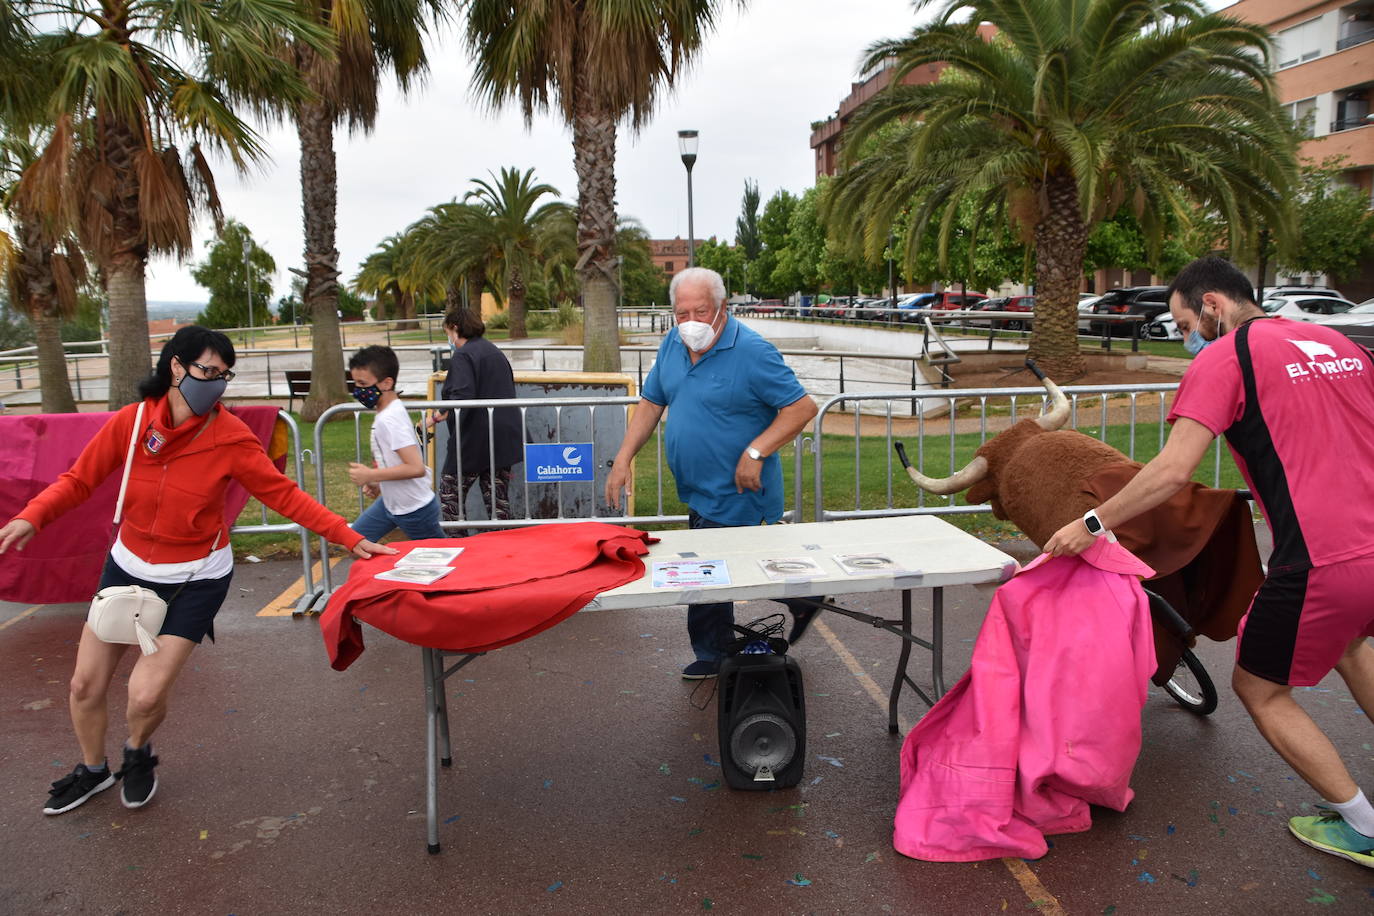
734,404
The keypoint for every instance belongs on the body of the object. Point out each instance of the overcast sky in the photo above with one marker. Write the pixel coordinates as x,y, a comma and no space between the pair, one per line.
765,76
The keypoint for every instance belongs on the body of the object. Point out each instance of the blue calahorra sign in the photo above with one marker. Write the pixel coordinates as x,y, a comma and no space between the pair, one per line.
559,462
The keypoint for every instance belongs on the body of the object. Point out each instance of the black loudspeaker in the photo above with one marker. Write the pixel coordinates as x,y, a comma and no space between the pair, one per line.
761,714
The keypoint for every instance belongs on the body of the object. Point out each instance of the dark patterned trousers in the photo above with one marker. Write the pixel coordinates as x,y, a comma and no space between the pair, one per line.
496,487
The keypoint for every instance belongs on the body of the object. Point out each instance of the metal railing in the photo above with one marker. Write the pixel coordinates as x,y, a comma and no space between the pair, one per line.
993,410
561,511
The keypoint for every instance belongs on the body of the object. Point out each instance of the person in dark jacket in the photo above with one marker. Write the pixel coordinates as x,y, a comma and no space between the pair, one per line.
479,451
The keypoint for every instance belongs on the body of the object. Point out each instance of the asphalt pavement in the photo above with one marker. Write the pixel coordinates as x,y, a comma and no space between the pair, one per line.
586,779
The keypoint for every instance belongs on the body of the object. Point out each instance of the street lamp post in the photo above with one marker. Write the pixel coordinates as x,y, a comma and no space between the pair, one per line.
687,145
248,281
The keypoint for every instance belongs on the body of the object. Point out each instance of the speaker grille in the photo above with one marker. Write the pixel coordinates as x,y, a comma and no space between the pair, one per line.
763,739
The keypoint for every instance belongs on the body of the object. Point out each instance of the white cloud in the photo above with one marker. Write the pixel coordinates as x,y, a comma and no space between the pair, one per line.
767,74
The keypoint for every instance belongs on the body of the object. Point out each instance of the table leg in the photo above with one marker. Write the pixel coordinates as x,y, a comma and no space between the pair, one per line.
441,695
432,683
937,639
900,676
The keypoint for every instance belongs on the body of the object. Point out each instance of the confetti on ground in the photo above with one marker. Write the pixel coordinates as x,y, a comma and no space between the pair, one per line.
228,712
750,855
817,780
677,798
799,881
833,761
82,836
450,819
694,831
1170,830
1109,910
554,886
710,785
1137,837
646,635
832,834
707,903
871,857
833,735
205,834
1191,880
663,768
1146,878
1321,896
548,783
709,761
1232,811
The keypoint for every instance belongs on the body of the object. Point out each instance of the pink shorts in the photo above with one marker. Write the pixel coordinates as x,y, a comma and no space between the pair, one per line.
1299,624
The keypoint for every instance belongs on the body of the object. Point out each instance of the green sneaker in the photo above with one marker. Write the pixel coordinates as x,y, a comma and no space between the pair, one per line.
1330,833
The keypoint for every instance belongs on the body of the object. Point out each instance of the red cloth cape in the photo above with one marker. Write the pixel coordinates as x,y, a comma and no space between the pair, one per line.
63,561
506,586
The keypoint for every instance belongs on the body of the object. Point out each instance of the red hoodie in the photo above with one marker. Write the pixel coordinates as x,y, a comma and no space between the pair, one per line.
174,507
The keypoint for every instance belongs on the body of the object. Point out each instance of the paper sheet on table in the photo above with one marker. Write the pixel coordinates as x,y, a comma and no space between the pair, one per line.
690,573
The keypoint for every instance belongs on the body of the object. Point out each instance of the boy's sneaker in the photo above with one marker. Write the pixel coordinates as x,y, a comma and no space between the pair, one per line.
1330,833
140,782
72,790
700,670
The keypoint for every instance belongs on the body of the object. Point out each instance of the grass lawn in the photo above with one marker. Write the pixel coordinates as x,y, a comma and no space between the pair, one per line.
878,469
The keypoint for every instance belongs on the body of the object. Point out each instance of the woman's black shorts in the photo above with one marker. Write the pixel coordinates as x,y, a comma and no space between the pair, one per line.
191,614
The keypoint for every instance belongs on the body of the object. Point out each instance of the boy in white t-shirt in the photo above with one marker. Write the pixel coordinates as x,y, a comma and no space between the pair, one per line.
407,500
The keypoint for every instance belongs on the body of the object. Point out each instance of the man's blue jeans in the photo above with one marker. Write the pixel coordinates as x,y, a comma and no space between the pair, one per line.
710,627
376,522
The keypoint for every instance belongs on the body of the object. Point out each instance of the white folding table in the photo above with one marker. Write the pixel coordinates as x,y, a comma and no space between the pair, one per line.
929,552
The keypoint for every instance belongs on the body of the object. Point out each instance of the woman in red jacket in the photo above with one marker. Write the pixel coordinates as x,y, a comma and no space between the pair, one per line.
173,540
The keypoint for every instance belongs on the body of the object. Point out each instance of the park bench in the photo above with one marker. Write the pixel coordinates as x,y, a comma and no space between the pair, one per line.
298,384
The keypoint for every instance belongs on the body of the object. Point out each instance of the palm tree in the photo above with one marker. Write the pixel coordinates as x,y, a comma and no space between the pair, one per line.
1069,112
371,36
602,63
43,268
152,75
384,273
518,227
451,247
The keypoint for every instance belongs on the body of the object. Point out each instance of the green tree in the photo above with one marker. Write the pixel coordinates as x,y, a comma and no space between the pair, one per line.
230,277
765,279
1070,111
601,64
1335,224
747,223
386,275
130,102
726,260
370,38
518,223
453,247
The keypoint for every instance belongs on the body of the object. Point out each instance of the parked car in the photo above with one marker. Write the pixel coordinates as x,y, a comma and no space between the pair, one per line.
1163,328
1086,301
1147,301
1015,304
767,307
1357,323
911,304
1306,307
1270,291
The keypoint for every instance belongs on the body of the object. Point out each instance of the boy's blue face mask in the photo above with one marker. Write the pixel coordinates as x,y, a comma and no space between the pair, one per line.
369,396
1195,343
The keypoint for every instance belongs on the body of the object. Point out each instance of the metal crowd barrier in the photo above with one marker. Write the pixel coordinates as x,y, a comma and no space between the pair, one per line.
562,514
266,527
1147,411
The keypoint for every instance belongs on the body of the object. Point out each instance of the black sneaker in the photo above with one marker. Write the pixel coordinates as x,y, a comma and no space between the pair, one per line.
700,670
140,782
803,612
72,790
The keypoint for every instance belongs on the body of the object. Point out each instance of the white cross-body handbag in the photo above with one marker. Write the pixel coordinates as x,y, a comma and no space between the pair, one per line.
131,614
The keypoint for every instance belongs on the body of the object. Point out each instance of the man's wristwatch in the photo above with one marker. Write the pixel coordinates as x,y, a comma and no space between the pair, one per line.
754,453
1093,523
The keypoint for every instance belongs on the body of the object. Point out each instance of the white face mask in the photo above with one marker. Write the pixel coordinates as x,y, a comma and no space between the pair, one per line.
697,335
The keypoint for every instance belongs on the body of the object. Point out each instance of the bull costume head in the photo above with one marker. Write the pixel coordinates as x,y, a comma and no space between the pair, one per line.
1040,477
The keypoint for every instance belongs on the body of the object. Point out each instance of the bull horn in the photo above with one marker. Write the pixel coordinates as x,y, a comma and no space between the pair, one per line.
961,479
1058,413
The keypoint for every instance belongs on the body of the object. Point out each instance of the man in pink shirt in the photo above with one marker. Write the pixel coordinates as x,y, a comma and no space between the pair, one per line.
1295,402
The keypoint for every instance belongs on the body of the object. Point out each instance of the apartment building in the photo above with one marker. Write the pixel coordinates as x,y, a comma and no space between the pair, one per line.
1325,73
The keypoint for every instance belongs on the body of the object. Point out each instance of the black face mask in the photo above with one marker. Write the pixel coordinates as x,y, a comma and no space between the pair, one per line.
201,394
369,396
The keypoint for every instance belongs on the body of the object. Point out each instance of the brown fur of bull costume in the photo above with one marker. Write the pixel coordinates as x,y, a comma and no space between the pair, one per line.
1201,542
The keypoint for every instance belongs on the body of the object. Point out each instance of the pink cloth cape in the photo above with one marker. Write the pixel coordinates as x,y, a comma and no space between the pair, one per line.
1045,722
